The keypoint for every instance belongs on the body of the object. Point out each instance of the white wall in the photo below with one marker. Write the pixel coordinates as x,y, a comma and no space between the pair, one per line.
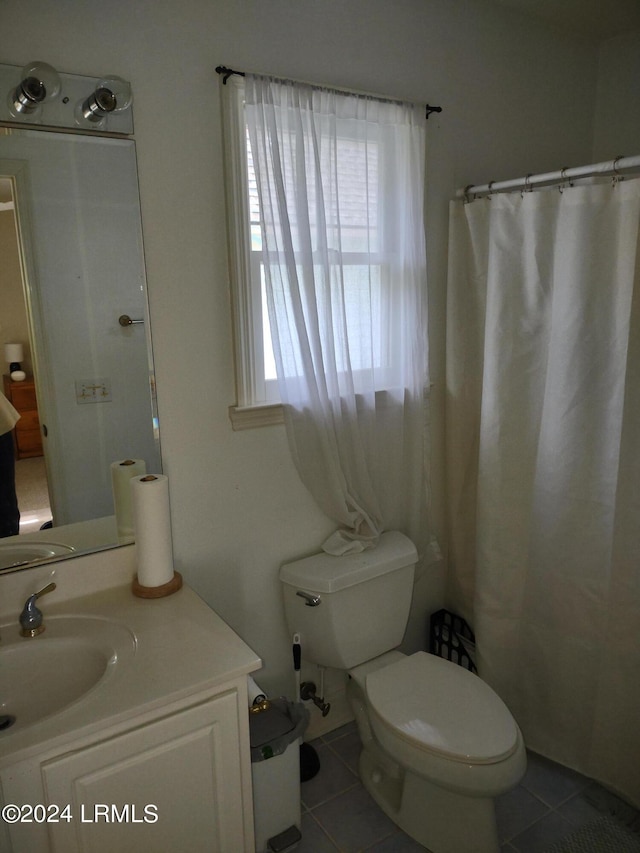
617,124
515,99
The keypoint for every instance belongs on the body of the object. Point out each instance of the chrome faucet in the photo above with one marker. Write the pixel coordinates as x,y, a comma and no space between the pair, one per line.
31,618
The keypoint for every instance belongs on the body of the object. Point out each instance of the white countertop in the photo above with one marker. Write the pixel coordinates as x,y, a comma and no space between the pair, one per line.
182,648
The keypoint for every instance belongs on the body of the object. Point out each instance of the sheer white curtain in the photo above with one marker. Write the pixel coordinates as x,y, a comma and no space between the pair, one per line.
544,464
340,184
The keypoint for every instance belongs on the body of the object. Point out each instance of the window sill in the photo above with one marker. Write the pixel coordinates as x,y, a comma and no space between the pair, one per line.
251,417
255,416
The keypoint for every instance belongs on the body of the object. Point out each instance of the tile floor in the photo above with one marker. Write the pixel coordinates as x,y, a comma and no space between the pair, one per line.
339,815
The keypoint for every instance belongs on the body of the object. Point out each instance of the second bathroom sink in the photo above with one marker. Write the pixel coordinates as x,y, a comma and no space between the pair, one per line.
13,554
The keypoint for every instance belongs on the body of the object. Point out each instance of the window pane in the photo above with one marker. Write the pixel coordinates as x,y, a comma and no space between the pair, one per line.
254,203
357,186
348,173
347,234
269,358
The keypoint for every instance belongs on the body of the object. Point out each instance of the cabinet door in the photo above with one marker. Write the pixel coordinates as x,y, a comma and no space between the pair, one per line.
172,785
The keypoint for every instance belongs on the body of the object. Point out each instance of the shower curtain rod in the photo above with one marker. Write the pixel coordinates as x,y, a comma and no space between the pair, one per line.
228,72
617,168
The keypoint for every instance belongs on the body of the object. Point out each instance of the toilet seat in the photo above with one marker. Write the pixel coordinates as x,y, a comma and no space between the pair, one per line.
439,708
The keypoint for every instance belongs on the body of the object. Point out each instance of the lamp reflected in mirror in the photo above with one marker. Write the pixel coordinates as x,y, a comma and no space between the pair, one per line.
14,356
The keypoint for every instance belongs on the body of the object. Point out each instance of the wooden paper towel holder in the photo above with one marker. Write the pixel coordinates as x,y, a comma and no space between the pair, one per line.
157,591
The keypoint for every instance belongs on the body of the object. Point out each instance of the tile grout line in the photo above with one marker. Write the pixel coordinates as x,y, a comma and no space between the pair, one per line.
512,841
331,797
324,832
357,784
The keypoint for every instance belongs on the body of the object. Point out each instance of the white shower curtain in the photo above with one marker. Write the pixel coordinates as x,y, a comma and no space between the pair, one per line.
543,427
340,180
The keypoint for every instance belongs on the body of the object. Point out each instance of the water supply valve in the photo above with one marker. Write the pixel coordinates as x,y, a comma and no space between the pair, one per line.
308,691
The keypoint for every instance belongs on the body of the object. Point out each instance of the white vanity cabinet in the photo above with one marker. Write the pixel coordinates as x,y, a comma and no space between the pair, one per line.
155,758
175,783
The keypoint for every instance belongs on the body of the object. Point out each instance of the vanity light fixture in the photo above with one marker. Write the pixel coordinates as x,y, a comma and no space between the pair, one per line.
111,95
40,84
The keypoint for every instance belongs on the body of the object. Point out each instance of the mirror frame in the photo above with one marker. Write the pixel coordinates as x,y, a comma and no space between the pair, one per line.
59,118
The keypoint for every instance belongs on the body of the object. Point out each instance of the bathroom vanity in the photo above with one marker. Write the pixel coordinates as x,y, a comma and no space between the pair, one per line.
152,751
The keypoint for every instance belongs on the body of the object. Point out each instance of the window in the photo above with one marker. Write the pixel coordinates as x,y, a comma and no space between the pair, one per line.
254,363
354,249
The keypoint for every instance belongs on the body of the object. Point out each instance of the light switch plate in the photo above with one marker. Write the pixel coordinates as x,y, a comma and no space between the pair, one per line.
93,391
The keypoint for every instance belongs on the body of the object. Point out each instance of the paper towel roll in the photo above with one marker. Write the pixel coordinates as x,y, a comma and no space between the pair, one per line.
254,691
152,526
121,474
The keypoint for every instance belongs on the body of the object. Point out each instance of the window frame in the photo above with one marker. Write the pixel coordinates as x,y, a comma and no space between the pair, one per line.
253,407
246,413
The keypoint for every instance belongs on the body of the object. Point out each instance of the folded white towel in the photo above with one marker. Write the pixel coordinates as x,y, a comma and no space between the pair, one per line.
343,542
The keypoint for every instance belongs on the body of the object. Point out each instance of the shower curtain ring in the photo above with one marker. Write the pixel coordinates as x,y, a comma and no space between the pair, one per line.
527,185
563,180
617,177
489,190
466,197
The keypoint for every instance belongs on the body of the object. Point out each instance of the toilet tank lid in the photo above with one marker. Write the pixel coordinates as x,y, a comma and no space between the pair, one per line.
328,573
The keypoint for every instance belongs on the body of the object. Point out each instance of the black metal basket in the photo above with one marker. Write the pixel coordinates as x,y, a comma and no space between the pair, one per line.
451,637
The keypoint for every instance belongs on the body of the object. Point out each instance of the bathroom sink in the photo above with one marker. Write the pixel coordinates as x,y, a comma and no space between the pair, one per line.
18,553
41,676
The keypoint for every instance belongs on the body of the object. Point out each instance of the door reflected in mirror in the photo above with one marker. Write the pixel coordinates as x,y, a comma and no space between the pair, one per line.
73,264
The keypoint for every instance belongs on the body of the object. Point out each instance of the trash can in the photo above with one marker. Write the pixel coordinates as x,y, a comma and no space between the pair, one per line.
276,727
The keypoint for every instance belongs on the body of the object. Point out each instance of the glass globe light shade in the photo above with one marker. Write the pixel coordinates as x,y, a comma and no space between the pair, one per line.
111,95
40,84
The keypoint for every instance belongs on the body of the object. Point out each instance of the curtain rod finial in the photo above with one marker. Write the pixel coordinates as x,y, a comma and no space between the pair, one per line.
227,72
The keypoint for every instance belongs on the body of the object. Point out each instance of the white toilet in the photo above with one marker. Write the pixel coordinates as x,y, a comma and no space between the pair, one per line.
438,744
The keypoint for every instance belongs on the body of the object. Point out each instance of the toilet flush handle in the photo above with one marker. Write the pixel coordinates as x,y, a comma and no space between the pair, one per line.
309,599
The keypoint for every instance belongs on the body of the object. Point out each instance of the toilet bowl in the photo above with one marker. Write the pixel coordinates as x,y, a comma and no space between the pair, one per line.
438,744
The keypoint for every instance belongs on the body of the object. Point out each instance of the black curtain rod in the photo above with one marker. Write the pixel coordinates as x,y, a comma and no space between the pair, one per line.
227,72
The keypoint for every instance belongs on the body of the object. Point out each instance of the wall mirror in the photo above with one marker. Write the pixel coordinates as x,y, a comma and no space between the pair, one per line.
71,273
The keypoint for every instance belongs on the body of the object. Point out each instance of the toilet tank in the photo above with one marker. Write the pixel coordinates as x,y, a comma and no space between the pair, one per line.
354,607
